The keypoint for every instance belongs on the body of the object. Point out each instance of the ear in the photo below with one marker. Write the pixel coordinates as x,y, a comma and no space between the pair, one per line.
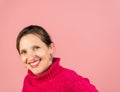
51,48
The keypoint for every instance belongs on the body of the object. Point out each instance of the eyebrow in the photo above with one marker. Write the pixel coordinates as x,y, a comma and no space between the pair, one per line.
30,47
36,46
22,50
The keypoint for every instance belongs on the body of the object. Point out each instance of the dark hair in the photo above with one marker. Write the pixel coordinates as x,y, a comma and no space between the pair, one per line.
37,30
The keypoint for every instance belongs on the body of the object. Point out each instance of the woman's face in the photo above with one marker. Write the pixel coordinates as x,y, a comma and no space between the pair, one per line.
35,54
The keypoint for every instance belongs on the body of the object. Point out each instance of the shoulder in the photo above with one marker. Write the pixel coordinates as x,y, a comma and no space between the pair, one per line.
78,82
69,73
70,76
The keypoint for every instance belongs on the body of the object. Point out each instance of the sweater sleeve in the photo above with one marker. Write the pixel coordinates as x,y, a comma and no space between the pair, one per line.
81,84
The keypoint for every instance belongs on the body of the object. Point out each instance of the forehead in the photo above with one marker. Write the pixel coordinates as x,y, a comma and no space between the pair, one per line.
30,39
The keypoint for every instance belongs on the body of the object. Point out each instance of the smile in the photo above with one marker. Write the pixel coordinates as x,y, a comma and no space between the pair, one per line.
35,64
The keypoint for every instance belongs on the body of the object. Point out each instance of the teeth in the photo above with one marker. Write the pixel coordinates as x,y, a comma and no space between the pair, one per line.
35,63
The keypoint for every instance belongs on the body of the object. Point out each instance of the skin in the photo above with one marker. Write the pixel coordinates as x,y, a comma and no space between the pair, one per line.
35,54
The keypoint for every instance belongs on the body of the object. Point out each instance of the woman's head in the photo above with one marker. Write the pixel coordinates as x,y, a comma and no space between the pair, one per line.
36,30
35,48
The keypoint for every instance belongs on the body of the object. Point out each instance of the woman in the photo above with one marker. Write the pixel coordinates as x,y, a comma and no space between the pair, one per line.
44,72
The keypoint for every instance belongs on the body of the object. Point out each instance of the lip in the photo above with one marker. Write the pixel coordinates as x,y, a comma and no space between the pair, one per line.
35,63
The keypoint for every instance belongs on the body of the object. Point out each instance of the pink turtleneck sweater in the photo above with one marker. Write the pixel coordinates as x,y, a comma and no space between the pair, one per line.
57,79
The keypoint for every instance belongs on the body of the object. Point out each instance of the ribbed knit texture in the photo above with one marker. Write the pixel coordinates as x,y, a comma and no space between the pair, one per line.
57,79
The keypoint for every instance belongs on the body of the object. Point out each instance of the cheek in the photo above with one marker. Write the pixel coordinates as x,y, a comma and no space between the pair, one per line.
43,53
23,59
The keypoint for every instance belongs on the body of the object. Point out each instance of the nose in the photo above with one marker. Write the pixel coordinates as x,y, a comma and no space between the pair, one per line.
31,56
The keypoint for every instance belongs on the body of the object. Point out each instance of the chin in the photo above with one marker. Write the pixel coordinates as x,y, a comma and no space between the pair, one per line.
36,73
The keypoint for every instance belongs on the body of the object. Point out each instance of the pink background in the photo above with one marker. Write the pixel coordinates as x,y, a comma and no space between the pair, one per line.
86,35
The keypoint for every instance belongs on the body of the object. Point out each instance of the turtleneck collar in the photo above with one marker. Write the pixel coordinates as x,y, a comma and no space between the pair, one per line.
54,69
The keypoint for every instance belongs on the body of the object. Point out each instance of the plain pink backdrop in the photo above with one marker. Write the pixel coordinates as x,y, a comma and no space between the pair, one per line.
86,35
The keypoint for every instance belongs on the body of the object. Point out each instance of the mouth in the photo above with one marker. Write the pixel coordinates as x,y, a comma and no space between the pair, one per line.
35,63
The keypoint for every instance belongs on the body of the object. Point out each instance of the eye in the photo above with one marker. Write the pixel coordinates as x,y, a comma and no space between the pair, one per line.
36,47
23,52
